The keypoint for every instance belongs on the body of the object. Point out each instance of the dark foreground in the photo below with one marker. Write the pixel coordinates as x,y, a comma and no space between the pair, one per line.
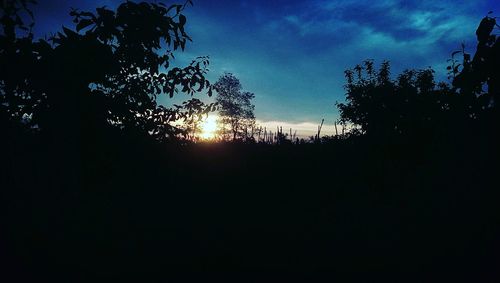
353,210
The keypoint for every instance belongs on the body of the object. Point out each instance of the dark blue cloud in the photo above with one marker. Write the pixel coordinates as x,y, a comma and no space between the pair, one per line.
292,53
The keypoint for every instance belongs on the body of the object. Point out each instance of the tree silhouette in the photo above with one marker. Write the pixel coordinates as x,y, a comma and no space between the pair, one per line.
470,76
235,107
107,72
383,107
414,104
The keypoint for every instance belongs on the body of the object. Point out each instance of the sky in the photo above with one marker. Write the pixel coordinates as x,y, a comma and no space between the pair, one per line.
292,53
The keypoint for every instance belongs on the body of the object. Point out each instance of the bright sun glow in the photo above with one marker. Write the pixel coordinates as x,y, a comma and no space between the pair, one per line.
209,127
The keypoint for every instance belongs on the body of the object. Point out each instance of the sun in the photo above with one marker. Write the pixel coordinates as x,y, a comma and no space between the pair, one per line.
208,128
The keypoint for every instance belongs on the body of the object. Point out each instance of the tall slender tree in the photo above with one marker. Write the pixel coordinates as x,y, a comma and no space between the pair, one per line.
236,110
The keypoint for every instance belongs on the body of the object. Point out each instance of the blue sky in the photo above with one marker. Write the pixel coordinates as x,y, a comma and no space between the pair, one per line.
292,54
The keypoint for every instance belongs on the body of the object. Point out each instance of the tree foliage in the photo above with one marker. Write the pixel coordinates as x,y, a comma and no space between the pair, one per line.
472,74
191,115
107,71
415,105
235,107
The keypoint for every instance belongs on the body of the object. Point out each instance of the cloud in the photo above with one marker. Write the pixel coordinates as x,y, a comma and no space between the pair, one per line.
400,20
417,34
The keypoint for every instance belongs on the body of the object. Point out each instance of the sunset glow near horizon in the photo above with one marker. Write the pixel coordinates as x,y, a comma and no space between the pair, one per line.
209,127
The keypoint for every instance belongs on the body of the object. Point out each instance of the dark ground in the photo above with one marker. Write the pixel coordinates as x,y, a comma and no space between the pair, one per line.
355,210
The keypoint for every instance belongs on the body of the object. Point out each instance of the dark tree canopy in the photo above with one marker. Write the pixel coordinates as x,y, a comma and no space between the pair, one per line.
235,107
471,75
381,106
108,70
415,105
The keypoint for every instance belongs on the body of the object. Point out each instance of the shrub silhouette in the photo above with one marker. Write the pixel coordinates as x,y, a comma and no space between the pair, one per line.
414,104
383,107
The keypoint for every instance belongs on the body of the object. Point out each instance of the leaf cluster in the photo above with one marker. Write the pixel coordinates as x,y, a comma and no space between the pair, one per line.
108,70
